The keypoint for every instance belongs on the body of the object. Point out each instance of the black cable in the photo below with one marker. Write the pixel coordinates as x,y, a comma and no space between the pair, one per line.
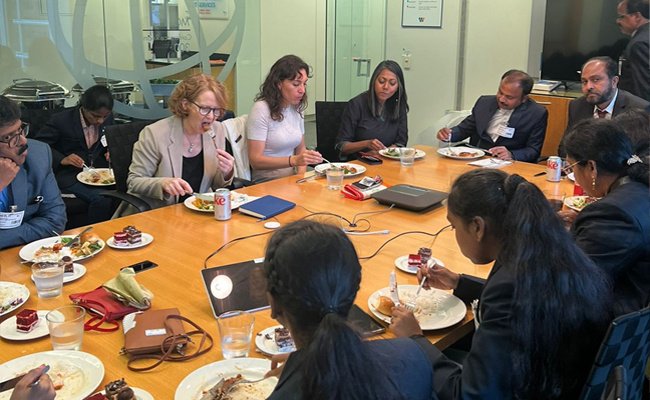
205,263
402,234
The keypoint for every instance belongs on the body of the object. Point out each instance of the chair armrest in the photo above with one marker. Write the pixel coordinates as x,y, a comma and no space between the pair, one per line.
238,183
542,160
136,202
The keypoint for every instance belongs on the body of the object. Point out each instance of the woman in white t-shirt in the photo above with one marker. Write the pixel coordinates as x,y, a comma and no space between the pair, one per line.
275,126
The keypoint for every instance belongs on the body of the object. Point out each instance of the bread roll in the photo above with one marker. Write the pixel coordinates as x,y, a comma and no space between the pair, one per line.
89,237
384,305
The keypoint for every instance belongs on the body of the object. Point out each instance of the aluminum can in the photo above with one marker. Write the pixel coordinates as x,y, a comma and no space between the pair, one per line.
222,210
577,190
553,169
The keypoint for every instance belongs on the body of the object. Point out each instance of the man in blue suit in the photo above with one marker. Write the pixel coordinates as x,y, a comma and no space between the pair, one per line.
510,125
30,201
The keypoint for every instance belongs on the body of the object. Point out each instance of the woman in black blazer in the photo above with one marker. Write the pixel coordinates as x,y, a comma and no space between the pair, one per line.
614,231
543,310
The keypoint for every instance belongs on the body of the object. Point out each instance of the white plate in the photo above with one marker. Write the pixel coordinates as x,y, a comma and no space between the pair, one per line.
79,271
140,394
81,177
418,154
571,176
24,294
91,366
321,168
238,200
403,264
444,151
265,345
146,239
27,252
207,376
453,310
8,328
570,202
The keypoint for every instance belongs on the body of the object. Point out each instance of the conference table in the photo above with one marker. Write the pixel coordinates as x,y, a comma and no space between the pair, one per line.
183,238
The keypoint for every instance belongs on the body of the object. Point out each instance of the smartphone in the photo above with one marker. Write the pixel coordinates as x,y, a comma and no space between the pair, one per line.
371,160
141,266
364,322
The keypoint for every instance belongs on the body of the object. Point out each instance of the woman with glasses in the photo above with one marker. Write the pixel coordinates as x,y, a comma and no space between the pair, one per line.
615,230
186,152
275,128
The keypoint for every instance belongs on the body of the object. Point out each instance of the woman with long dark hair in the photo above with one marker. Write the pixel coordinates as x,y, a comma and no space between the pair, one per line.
275,128
313,275
543,310
615,230
376,119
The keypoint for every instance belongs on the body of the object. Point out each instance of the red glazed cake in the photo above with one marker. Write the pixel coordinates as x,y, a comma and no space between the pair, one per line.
415,260
120,239
26,320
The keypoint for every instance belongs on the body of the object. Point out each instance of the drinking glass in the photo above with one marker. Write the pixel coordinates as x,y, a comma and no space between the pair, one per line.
407,156
236,331
48,278
555,199
66,325
335,178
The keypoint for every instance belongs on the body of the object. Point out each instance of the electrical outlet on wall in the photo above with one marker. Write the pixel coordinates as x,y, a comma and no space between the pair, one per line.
406,59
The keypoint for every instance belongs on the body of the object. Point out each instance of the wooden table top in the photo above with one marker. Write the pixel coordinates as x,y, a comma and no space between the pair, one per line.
184,238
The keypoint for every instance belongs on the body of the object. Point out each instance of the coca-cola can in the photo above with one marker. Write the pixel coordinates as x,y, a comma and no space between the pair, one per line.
553,169
222,211
577,190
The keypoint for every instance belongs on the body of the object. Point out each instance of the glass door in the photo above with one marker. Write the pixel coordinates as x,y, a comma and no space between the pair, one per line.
355,45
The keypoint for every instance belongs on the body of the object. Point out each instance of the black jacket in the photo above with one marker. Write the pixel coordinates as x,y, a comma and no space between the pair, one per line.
635,71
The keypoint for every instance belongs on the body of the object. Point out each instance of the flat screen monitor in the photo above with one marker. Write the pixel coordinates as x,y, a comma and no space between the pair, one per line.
576,30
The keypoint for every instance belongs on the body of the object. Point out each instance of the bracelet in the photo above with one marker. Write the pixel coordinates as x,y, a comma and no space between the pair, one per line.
290,162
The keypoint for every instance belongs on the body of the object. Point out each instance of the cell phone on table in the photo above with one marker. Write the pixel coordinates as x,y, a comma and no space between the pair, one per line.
141,266
364,322
369,159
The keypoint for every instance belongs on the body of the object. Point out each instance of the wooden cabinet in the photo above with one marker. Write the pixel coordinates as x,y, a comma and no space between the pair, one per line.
558,116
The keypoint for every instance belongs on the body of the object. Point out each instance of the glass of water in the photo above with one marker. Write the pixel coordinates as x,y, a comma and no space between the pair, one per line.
334,177
236,331
48,277
407,156
66,325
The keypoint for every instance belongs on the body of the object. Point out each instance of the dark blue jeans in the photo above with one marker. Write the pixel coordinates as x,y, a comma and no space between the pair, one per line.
99,207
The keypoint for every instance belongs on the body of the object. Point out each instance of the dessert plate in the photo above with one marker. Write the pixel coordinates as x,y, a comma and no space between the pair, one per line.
8,328
265,342
403,264
146,239
79,271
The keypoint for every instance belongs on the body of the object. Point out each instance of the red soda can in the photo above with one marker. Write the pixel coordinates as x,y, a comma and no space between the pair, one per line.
553,169
577,190
222,211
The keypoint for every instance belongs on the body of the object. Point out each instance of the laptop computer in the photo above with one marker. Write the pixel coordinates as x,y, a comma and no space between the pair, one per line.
410,197
240,286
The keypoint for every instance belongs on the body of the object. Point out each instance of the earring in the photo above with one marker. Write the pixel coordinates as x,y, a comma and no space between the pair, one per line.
593,182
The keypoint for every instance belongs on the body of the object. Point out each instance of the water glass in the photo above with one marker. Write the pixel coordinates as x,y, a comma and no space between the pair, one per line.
555,199
48,278
335,178
66,325
407,156
236,331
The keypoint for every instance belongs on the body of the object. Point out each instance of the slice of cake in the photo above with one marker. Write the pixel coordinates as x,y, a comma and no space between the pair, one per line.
425,255
96,396
120,239
133,235
284,341
27,320
414,262
119,390
66,262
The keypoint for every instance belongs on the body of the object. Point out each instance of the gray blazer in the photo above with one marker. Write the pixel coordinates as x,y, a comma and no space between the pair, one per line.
158,154
635,71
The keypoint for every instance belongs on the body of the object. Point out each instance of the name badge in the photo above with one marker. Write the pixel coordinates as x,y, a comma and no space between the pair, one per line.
103,141
10,220
506,132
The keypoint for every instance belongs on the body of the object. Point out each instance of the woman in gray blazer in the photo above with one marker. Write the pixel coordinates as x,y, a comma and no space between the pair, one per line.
184,153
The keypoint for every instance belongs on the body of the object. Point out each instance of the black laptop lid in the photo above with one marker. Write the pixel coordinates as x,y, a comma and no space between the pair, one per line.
409,197
239,286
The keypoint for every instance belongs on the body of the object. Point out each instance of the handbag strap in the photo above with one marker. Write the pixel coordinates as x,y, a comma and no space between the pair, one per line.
89,326
169,345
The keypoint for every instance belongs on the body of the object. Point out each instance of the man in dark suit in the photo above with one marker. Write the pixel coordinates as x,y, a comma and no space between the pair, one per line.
30,201
601,96
635,71
510,125
76,138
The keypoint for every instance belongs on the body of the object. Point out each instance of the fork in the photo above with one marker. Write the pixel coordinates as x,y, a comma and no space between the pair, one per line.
230,389
90,170
410,305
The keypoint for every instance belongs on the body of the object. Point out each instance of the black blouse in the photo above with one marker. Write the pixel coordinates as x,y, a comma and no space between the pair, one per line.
192,172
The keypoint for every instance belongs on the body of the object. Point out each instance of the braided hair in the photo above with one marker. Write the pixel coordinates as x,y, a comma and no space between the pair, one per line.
313,273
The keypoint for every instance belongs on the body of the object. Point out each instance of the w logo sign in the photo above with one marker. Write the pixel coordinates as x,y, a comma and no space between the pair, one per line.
421,19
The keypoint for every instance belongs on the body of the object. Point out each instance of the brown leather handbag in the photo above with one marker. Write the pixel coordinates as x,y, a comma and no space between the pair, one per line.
158,334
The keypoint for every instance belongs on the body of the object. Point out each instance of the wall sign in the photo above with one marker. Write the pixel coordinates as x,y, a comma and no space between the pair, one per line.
422,13
212,9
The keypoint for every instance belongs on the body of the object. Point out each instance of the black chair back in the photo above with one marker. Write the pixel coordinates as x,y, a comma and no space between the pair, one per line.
328,121
627,344
37,118
120,139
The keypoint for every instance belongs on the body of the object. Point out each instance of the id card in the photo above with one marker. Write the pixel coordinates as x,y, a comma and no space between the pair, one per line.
10,220
506,132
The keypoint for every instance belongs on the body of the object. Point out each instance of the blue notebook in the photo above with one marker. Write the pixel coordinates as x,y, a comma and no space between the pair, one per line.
266,207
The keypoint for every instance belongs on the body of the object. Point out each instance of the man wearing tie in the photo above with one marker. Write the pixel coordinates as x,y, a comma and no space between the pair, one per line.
601,96
30,201
510,125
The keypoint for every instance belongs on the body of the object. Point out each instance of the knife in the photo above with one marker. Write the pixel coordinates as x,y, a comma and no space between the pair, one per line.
76,238
11,383
316,175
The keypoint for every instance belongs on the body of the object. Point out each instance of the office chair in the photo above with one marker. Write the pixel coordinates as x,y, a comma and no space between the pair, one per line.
328,122
626,344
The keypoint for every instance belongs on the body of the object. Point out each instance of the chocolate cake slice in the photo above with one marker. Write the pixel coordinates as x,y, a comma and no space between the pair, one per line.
119,390
425,254
66,262
133,235
27,320
283,340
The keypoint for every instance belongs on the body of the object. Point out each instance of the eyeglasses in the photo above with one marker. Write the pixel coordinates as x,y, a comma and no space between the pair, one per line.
569,168
12,139
205,111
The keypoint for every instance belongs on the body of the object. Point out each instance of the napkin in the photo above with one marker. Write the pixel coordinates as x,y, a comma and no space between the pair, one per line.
126,289
490,163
